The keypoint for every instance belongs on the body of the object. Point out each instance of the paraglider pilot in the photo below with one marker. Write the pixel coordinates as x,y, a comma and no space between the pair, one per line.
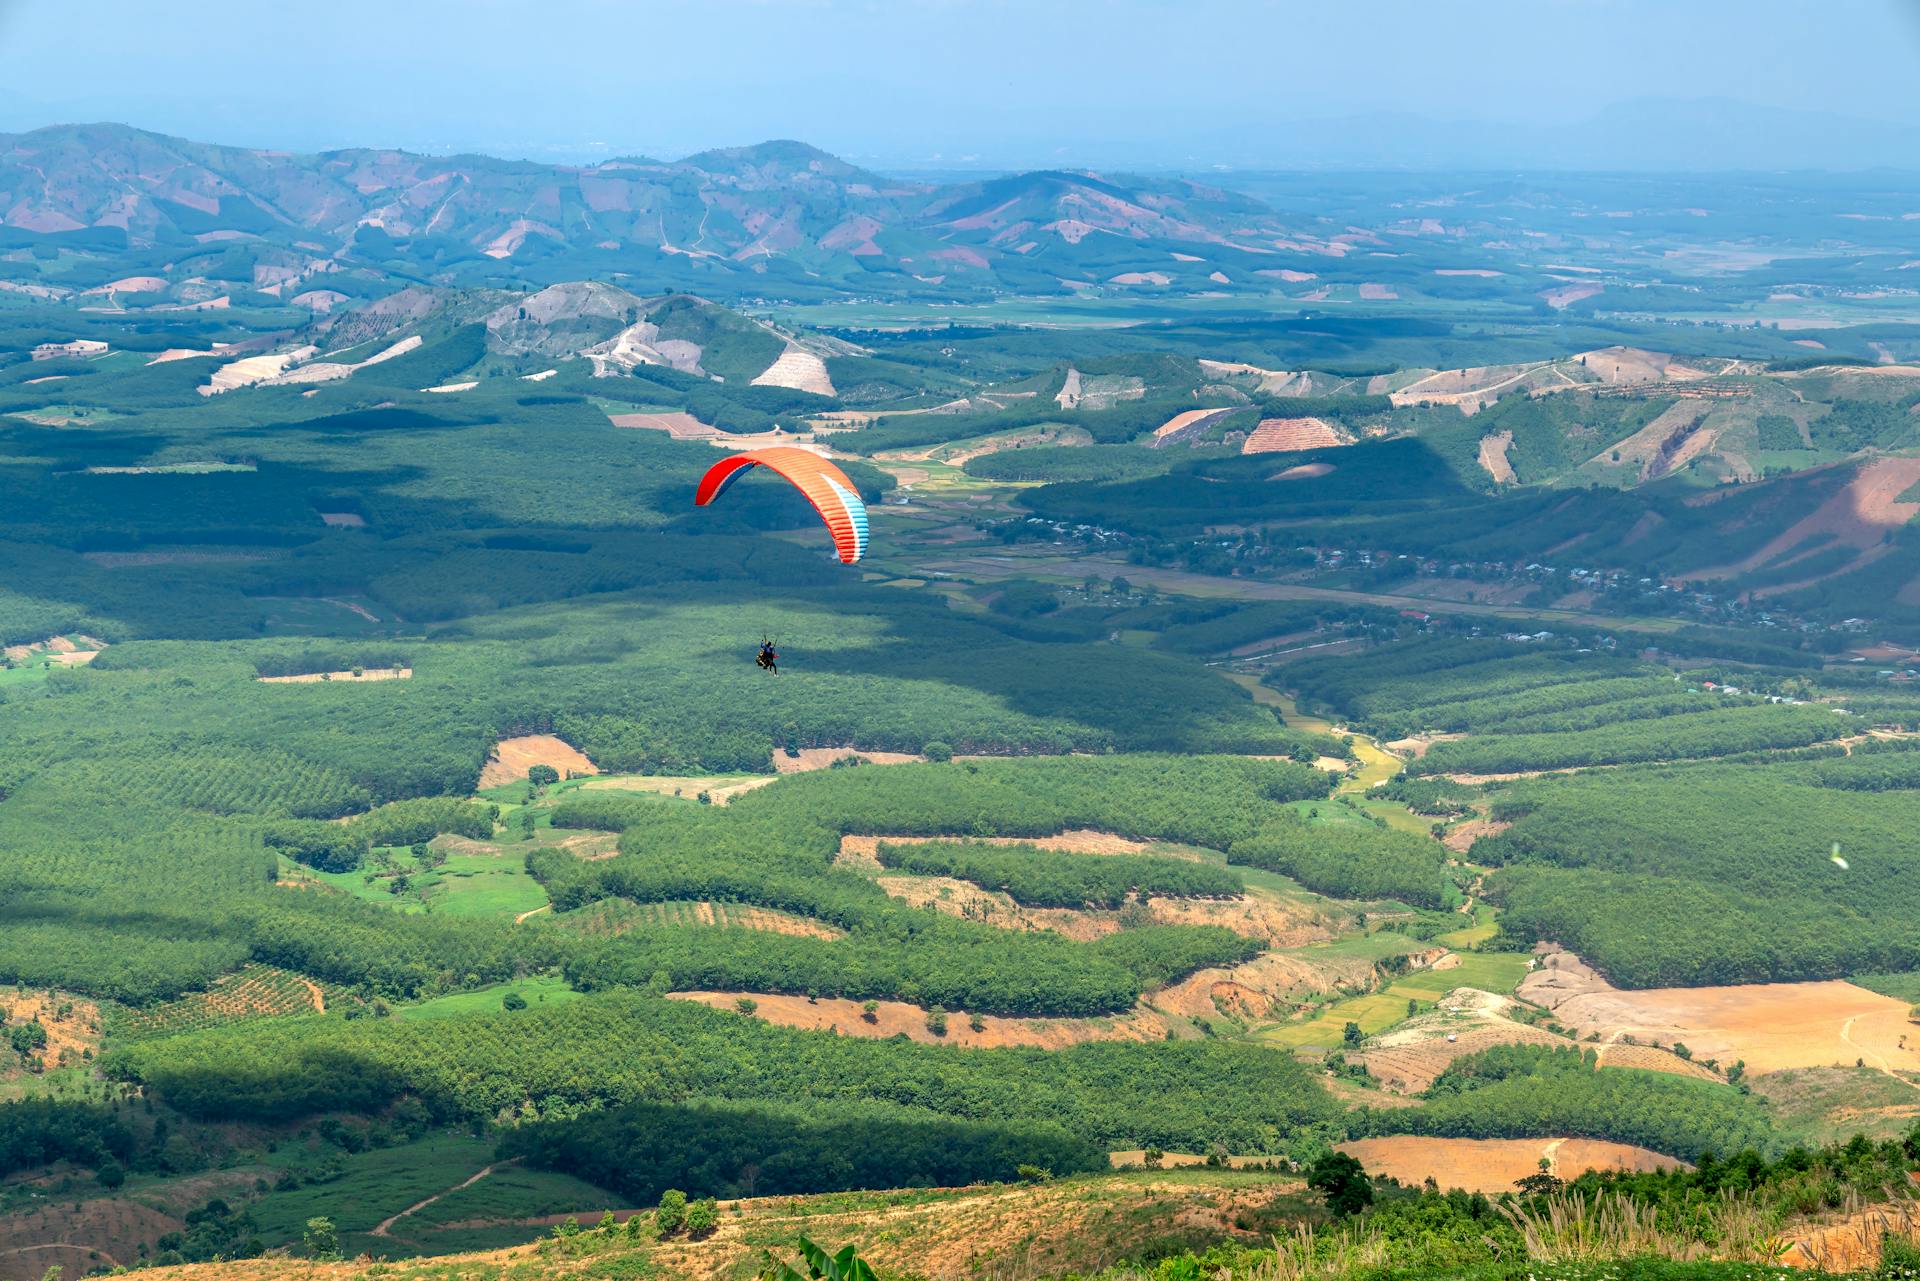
768,659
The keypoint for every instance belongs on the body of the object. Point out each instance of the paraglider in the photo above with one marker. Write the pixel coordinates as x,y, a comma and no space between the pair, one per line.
824,484
769,658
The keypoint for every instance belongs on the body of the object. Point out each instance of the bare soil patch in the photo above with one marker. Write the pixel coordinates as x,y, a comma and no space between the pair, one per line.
862,851
1858,515
1852,1242
897,1018
1187,425
70,1036
1493,456
1770,1026
678,424
1270,985
364,674
69,1236
799,369
1291,435
719,792
813,758
1419,744
1567,295
1305,471
1461,836
1494,1165
1410,1067
1273,921
513,757
68,651
1650,1058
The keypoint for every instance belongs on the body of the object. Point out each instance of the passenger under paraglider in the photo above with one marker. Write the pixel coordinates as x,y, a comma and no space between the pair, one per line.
769,659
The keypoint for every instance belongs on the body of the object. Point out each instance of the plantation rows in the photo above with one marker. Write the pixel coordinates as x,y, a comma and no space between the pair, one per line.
253,992
1717,874
703,1148
1527,709
1049,878
623,1048
775,848
1521,1091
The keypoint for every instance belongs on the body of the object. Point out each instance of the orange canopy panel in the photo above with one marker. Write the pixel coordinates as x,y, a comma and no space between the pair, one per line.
825,485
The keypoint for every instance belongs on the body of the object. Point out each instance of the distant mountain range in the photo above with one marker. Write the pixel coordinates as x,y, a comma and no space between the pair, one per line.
782,210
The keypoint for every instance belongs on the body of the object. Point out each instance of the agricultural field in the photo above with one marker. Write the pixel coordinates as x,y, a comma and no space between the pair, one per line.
1296,701
252,992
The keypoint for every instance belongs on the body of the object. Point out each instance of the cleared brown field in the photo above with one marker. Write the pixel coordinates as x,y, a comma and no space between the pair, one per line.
1770,1026
813,758
1493,456
897,1018
364,674
617,916
1494,1165
678,424
1187,424
678,785
1291,436
1650,1058
513,757
1859,515
70,1036
1274,921
77,1237
1409,1069
863,851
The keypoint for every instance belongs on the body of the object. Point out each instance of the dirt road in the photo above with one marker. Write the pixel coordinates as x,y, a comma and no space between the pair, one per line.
385,1226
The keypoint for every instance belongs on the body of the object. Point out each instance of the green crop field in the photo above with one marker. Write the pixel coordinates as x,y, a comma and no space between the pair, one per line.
539,990
1128,770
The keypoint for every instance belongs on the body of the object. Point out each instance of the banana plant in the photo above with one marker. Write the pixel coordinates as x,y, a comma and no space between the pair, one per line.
821,1266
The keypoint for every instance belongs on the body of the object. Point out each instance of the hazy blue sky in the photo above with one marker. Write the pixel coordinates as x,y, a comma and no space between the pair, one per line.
992,82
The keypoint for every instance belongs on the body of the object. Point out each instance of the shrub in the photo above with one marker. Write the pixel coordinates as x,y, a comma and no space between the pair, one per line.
703,1216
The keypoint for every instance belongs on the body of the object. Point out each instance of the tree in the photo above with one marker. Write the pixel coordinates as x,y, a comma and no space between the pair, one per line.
322,1239
513,1001
671,1214
745,1004
703,1216
27,1037
1152,1157
1351,1034
870,1011
937,1020
1343,1181
937,751
543,775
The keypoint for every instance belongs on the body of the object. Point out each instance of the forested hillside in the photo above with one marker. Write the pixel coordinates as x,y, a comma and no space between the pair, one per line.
1299,698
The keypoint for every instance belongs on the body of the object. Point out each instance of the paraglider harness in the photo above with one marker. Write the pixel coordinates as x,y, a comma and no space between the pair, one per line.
768,659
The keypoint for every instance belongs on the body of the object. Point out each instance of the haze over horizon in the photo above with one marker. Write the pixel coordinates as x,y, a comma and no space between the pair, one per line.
989,84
